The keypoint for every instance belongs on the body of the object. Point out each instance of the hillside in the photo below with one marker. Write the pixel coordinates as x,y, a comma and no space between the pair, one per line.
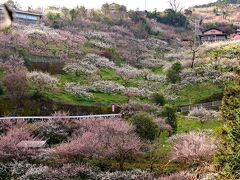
210,16
79,61
219,13
219,2
108,65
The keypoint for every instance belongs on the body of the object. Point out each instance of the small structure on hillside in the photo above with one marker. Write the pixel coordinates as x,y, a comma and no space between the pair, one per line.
212,35
238,31
32,144
236,36
24,16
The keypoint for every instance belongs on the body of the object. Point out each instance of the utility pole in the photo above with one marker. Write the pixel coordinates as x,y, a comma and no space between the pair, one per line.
145,5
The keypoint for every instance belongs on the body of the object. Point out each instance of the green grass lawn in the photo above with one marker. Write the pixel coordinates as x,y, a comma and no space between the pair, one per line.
64,78
110,75
98,98
187,125
159,71
196,93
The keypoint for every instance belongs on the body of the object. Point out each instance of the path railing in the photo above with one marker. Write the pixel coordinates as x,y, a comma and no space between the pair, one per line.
208,105
44,118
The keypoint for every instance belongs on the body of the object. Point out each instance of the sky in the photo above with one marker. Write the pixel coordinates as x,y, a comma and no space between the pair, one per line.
96,4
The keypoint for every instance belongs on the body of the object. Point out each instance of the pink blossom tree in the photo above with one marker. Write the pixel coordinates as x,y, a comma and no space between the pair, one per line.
101,139
193,147
8,144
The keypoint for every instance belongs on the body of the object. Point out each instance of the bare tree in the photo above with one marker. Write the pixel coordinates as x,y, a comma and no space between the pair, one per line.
194,48
175,5
226,10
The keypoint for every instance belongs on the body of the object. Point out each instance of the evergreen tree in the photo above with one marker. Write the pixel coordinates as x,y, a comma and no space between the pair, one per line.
170,113
228,157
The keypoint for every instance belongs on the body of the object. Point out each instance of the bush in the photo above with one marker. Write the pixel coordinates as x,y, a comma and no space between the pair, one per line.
56,130
173,18
99,140
159,99
193,147
170,113
8,144
178,176
173,74
203,114
42,81
145,125
133,107
16,84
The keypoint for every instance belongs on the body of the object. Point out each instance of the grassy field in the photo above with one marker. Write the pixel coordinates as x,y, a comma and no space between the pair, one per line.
197,93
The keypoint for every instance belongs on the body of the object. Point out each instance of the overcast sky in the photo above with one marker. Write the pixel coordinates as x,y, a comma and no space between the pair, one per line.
131,4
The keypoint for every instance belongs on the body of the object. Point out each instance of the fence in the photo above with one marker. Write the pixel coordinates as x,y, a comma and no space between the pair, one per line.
208,105
42,118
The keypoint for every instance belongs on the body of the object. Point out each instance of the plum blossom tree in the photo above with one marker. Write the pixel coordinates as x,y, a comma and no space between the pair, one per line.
15,78
193,147
42,81
16,84
101,139
8,144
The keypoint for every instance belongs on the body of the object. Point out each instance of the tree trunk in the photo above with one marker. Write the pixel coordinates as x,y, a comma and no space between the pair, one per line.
121,165
151,166
193,59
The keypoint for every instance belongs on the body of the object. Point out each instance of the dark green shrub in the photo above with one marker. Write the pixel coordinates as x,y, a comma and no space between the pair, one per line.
159,99
22,53
177,67
145,125
170,113
173,74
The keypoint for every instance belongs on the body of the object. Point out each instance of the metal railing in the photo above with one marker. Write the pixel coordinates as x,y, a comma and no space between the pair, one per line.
208,105
42,118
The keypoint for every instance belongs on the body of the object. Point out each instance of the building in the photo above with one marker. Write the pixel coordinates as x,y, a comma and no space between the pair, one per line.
32,144
212,35
24,16
236,36
238,31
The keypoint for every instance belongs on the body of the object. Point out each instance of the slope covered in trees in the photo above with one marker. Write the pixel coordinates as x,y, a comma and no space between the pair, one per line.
220,2
147,65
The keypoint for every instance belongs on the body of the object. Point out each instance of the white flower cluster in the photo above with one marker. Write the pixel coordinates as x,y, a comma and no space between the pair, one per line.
123,31
42,80
203,113
228,63
80,68
133,91
206,47
157,78
118,175
76,89
107,87
199,75
151,63
155,44
130,72
103,36
98,61
125,71
99,44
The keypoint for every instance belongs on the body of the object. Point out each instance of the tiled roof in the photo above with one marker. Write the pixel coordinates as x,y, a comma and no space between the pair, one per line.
31,144
216,28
